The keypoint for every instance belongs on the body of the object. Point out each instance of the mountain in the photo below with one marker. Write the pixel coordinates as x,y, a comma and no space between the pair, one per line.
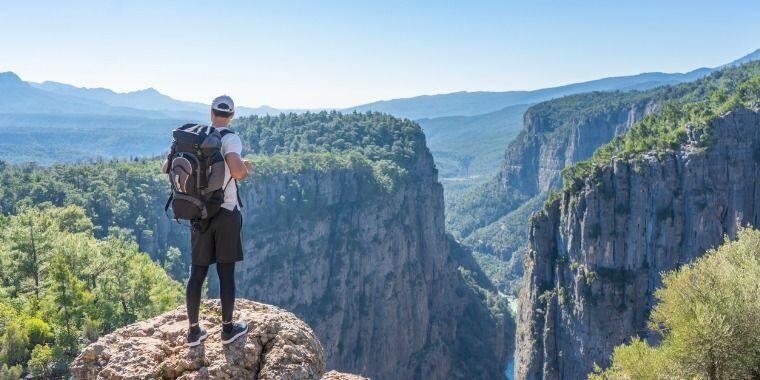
151,100
147,99
473,103
468,149
655,198
53,122
491,217
19,97
471,146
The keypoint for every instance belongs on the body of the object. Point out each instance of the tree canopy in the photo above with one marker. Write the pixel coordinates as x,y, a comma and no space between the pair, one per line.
61,288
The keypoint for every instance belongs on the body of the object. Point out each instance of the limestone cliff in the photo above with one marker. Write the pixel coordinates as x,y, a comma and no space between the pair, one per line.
371,270
366,262
596,254
556,134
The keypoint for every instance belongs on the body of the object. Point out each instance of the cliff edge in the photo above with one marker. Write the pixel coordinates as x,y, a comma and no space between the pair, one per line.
278,346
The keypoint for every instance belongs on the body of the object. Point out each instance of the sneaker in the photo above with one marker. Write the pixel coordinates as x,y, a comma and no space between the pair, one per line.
195,338
238,329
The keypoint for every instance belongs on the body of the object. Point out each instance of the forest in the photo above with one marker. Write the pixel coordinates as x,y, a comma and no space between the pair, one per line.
62,288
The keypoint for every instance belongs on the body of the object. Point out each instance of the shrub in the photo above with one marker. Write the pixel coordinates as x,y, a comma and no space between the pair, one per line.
13,345
707,317
42,363
11,373
38,331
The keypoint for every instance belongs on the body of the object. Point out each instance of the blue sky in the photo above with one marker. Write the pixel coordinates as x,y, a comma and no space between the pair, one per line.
342,53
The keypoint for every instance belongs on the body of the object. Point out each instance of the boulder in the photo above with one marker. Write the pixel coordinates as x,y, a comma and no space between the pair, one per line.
277,346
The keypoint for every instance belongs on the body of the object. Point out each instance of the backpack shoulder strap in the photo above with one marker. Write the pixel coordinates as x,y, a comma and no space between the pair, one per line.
226,132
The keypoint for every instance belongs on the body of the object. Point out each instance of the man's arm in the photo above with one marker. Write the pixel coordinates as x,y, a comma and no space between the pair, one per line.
239,168
165,167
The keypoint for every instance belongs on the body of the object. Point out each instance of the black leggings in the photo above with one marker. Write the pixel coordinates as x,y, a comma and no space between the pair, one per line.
198,273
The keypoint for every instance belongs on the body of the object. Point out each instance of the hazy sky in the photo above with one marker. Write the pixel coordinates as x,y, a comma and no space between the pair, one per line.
342,53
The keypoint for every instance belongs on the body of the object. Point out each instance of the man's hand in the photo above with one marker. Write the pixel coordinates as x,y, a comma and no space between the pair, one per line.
248,166
238,166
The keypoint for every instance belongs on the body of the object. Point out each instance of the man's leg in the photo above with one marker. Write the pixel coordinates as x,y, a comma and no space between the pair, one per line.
193,294
226,272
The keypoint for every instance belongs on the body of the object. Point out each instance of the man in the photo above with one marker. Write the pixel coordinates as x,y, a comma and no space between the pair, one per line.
219,241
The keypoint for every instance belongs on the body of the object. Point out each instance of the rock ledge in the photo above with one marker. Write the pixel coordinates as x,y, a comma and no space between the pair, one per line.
278,346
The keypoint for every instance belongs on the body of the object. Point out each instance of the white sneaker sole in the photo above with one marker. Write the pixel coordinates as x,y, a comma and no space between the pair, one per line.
238,335
199,341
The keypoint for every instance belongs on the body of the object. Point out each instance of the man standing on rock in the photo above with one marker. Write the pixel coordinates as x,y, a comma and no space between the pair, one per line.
219,241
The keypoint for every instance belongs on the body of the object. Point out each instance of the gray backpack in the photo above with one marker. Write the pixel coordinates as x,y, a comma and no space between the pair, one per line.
196,172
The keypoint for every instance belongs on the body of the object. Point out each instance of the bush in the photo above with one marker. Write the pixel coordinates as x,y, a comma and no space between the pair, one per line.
707,315
38,331
43,363
13,345
10,373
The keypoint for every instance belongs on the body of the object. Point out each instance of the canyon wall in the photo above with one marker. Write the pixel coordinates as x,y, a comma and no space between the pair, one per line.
596,254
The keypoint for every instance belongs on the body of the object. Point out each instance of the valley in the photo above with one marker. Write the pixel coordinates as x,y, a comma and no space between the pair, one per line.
404,232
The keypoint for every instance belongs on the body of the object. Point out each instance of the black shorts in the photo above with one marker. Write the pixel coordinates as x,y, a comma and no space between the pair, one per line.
218,240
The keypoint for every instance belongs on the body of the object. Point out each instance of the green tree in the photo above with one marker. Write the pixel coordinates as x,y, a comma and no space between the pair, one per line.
38,331
42,363
707,315
11,373
13,345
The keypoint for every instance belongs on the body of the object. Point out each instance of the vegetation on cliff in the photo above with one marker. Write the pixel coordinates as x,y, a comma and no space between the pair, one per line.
707,316
704,100
61,288
125,198
490,218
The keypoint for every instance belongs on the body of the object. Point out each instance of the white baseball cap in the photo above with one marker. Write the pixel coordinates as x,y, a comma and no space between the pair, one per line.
223,103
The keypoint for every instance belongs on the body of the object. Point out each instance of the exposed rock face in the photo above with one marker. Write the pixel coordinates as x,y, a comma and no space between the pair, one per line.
557,134
547,145
596,256
278,346
370,270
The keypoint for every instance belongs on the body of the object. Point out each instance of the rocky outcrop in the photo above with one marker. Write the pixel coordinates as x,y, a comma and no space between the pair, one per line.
278,346
596,255
335,375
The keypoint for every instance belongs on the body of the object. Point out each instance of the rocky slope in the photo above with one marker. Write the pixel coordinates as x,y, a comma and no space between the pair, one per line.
596,253
371,270
278,346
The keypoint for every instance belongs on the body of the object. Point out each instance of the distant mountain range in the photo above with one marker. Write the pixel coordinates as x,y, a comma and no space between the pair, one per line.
471,145
466,131
480,102
20,97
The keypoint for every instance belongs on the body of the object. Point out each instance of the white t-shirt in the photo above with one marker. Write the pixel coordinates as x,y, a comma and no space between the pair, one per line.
231,143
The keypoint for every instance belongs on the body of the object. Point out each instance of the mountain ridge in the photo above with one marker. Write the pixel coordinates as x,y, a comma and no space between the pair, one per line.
418,107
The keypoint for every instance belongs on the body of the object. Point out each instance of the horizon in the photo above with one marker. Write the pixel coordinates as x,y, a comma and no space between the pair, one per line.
282,59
